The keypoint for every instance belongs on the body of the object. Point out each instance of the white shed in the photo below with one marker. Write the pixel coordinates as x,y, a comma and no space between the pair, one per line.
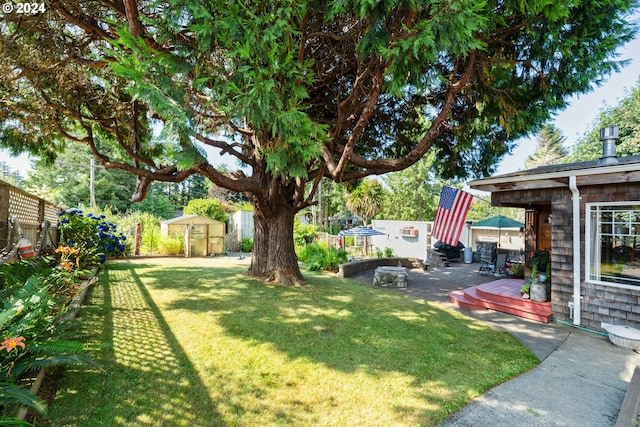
203,236
240,227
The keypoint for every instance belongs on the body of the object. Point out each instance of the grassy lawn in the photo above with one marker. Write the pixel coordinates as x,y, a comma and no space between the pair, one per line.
194,345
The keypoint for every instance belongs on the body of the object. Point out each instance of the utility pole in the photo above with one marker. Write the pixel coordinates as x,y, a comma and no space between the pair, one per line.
92,182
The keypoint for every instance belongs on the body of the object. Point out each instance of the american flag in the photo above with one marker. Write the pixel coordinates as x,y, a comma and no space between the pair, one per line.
450,216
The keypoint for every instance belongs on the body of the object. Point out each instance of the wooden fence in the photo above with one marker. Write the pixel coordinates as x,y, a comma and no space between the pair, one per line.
28,210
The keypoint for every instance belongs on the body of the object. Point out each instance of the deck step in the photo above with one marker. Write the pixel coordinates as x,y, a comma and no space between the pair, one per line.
460,299
502,295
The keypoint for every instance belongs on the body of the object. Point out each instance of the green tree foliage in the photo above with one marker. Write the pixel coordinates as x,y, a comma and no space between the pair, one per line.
211,208
8,174
157,203
412,195
67,181
366,199
625,115
296,91
550,150
482,209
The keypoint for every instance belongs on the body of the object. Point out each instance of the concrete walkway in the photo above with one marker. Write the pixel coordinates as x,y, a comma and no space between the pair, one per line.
581,380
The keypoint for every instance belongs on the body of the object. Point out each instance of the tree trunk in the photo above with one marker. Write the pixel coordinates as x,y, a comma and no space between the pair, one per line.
273,258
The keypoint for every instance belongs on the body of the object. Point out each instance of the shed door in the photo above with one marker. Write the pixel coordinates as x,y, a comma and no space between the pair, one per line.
199,240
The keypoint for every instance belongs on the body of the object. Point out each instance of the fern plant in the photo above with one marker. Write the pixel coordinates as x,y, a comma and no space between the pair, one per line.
32,341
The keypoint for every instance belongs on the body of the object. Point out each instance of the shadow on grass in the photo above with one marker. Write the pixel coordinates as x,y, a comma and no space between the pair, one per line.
153,328
352,328
146,378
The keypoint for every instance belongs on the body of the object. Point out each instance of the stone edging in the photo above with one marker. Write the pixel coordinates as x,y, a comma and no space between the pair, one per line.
352,268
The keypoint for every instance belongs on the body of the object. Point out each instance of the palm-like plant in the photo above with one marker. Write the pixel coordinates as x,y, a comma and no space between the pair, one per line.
366,199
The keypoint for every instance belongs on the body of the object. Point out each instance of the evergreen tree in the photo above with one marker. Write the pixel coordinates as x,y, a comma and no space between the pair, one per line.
413,194
7,174
550,149
296,91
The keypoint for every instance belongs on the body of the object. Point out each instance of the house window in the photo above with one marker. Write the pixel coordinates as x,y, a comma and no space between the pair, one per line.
613,244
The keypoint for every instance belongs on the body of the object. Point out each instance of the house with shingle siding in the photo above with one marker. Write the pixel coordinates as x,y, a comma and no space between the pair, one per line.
588,215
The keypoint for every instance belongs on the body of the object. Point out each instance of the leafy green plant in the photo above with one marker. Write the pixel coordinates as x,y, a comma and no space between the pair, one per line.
30,325
210,208
320,256
93,235
170,245
303,233
246,244
517,270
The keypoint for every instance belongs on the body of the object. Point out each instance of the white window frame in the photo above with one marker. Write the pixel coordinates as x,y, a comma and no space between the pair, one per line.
590,208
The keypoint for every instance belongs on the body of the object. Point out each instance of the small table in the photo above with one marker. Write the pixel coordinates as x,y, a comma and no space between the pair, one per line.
390,277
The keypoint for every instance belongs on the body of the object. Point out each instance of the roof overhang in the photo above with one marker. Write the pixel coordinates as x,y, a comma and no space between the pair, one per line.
611,174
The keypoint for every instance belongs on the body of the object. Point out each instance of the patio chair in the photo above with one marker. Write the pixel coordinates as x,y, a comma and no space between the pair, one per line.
497,268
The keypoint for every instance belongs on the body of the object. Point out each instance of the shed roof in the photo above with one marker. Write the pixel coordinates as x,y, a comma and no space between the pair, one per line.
191,219
627,169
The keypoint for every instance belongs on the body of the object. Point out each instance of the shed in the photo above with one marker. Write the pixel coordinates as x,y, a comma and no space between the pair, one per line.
588,215
203,236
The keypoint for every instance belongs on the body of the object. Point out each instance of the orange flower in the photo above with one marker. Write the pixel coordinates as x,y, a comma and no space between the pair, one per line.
11,343
67,250
67,265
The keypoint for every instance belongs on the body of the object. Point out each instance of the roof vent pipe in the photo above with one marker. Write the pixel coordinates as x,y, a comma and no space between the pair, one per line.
608,136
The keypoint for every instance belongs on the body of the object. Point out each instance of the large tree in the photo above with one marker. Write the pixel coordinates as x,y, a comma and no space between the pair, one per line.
550,149
296,90
626,115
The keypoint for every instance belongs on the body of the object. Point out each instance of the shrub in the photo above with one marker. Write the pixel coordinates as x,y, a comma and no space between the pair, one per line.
149,225
210,208
303,234
246,245
320,256
91,234
170,245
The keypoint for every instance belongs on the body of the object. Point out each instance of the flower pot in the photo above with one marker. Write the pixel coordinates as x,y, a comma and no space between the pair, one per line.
538,292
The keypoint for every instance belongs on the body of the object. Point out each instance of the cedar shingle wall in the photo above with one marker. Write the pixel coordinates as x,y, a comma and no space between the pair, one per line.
599,303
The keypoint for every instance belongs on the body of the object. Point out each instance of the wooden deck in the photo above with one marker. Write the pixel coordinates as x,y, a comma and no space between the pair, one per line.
502,295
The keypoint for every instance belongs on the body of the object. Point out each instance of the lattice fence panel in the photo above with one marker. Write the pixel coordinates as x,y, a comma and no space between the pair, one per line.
51,214
23,207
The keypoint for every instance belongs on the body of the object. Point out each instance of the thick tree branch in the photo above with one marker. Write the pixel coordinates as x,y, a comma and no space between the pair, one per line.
380,166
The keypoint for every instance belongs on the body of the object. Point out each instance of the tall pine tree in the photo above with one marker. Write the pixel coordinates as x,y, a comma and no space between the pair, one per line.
550,150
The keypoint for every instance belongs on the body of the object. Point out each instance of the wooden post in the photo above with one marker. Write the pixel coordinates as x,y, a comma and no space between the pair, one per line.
4,214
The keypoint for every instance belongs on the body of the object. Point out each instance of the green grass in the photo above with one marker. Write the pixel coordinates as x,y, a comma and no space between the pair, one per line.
190,345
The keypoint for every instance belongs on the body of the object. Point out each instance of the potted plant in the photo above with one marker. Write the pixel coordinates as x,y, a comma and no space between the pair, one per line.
540,259
517,270
524,290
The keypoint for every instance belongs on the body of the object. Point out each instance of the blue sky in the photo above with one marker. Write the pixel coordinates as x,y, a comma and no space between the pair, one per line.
580,116
574,121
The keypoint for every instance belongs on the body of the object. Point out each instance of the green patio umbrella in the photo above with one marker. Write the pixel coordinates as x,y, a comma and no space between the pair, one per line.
498,222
